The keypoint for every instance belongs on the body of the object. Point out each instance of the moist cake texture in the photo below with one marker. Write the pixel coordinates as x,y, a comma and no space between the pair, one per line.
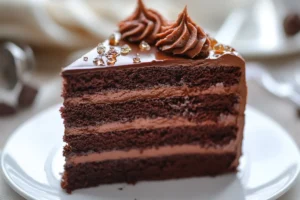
162,109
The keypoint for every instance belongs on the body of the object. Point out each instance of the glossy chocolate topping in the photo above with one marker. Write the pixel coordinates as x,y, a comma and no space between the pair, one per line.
152,57
183,37
144,24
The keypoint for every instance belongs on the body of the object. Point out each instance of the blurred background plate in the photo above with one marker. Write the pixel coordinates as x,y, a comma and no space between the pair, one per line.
256,29
262,33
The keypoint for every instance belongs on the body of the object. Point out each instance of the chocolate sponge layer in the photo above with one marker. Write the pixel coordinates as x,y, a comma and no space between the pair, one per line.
87,82
196,108
158,168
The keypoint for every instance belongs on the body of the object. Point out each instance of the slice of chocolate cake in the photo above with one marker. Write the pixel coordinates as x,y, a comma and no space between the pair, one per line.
156,101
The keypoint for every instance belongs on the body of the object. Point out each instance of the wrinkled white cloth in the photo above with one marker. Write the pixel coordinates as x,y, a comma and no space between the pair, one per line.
81,23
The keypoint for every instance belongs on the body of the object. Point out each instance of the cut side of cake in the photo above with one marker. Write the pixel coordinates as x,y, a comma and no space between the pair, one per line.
150,115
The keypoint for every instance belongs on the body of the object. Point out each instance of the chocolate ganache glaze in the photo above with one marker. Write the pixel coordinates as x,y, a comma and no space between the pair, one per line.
184,37
144,24
153,57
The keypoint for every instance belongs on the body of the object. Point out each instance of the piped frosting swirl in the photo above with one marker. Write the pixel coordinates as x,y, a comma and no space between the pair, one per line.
143,25
184,37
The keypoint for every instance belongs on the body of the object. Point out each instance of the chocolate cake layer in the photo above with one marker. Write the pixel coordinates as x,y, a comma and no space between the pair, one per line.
197,108
202,77
143,138
143,123
157,168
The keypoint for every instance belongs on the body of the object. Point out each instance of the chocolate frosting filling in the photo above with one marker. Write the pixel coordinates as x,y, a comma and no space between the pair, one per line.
149,153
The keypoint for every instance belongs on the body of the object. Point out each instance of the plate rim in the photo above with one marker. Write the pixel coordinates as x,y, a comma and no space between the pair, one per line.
23,193
12,185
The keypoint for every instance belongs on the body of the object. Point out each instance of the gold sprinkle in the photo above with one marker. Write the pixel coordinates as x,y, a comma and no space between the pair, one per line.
85,58
113,52
219,48
111,59
125,49
144,46
98,61
113,40
101,49
137,59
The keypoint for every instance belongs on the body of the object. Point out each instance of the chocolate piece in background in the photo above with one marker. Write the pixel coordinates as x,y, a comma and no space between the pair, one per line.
292,24
6,110
27,96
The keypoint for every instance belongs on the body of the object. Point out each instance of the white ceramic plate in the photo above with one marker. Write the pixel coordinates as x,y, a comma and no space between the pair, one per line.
32,164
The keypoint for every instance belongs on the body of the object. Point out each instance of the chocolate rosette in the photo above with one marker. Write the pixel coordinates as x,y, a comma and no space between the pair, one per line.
184,37
143,25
